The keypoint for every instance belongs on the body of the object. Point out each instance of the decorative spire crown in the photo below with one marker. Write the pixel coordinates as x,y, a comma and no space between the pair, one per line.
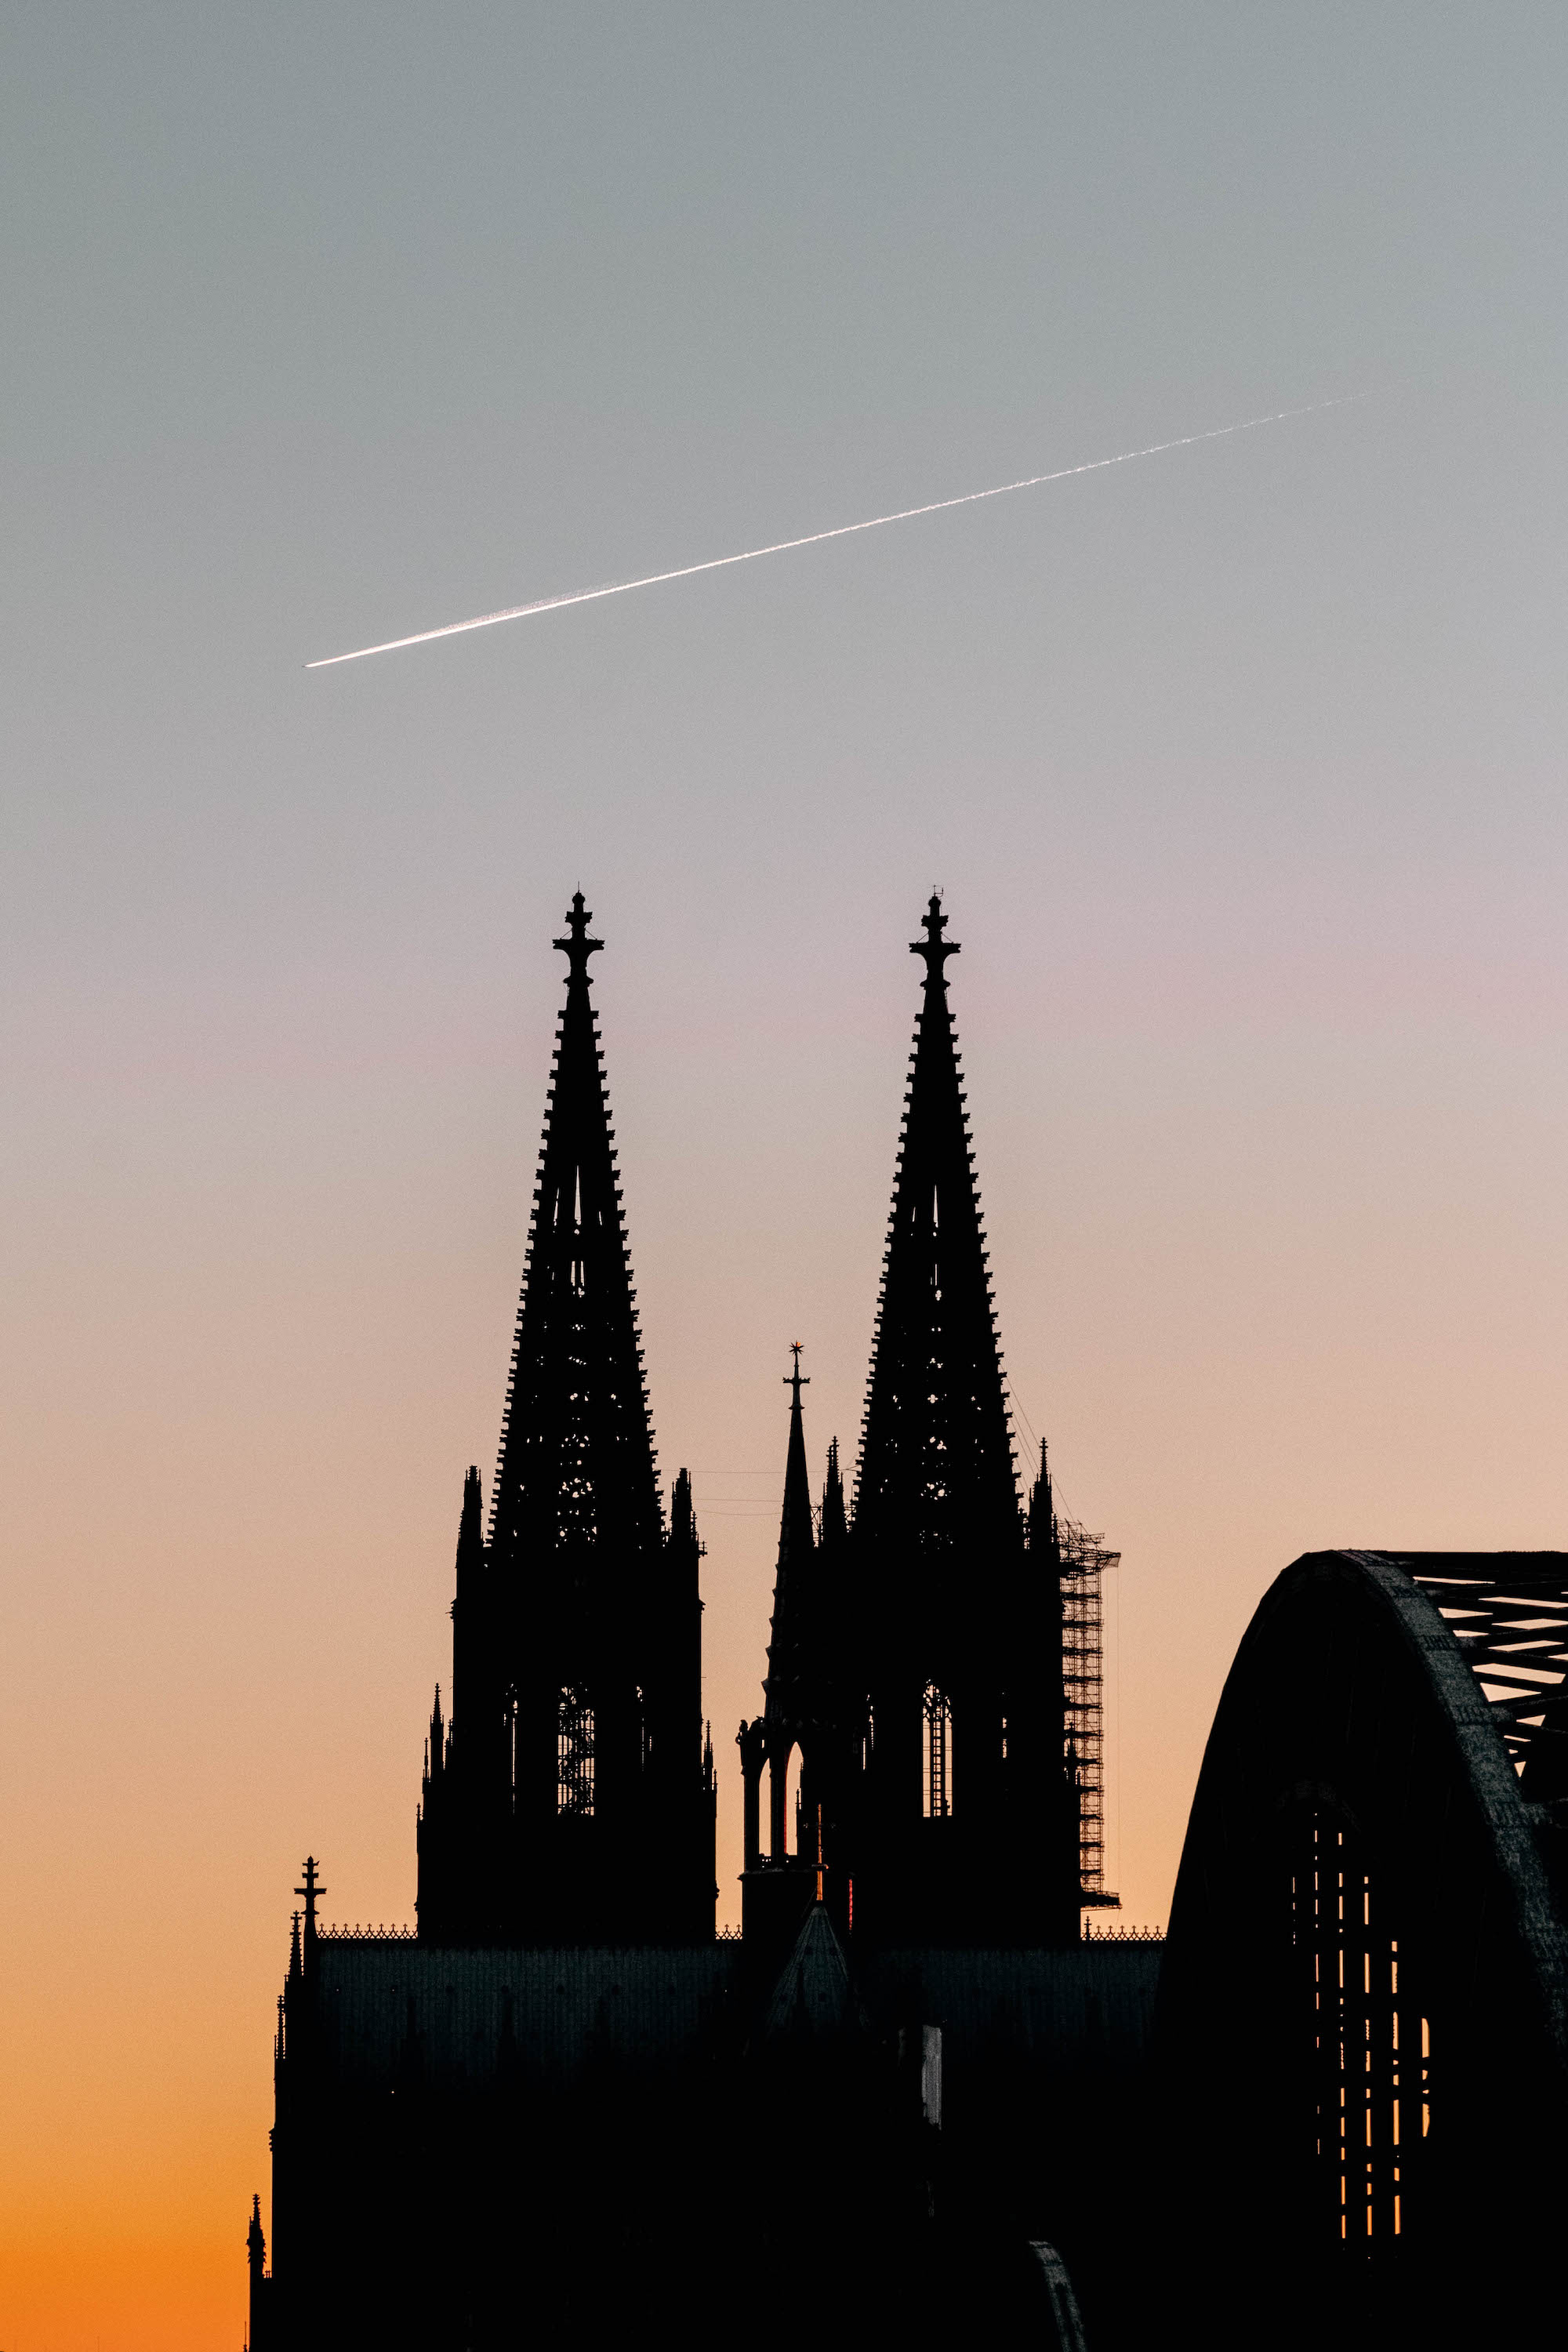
578,947
933,948
312,1891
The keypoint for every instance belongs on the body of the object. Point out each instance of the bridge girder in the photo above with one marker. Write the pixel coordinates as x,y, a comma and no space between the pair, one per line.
1364,2023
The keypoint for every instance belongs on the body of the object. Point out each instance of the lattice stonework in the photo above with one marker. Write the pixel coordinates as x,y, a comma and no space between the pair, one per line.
574,1753
1084,1560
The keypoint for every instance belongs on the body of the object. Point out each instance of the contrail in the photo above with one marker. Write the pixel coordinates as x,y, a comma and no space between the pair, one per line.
814,537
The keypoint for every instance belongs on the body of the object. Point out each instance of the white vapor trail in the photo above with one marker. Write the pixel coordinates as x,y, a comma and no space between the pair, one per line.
814,537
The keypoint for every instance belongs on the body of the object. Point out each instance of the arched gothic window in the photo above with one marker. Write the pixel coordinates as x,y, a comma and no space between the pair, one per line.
575,1752
937,1730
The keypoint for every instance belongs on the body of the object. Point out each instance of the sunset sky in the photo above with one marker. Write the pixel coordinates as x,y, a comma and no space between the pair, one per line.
1242,770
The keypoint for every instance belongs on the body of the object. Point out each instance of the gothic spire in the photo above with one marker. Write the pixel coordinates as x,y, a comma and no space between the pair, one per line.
436,1745
833,1525
1043,1538
936,1460
575,1478
470,1531
791,1633
312,1891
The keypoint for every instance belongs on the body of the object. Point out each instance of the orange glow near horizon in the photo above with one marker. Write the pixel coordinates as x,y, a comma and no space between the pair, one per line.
276,1626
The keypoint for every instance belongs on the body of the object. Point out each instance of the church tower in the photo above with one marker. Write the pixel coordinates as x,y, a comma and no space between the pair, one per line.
569,1797
804,1708
961,1822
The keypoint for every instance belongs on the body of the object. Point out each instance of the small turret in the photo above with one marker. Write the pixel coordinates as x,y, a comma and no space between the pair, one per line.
1044,1540
685,1543
312,1890
259,2333
470,1613
682,1518
835,1526
793,1579
470,1535
436,1749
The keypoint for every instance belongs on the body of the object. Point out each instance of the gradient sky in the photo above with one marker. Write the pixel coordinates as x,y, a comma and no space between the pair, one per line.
1242,770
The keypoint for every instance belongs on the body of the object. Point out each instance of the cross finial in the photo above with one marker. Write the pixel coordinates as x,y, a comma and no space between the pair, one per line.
796,1380
578,947
310,1890
933,947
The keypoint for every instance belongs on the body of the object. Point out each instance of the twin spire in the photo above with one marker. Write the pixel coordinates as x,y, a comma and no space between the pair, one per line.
917,1652
577,1473
567,1797
936,1463
577,1626
936,1455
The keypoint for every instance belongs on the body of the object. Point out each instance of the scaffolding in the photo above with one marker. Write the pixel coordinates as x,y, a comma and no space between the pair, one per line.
1084,1560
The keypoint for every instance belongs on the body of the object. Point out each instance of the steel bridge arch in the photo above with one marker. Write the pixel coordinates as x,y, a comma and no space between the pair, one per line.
1362,2035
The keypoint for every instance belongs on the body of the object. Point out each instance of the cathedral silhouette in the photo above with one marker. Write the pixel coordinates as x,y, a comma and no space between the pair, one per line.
565,2101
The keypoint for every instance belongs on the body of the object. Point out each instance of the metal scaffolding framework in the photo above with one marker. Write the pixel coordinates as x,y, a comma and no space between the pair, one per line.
1084,1560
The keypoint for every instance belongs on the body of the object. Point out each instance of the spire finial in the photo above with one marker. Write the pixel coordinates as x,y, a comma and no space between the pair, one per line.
310,1890
578,947
933,947
795,1380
